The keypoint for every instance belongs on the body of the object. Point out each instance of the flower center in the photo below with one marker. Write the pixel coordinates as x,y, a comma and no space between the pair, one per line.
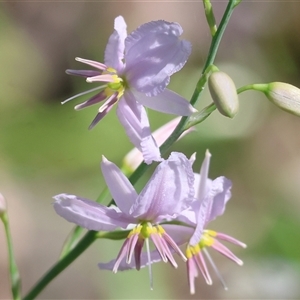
207,240
117,84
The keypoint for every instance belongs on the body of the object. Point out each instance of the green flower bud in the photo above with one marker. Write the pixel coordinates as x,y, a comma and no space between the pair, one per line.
285,96
223,93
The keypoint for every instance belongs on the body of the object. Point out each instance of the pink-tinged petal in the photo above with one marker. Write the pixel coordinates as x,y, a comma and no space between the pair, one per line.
123,266
153,52
120,187
137,252
230,239
102,78
219,194
134,119
134,157
89,214
83,73
94,100
104,109
121,256
200,262
114,52
92,63
168,192
167,102
226,252
192,274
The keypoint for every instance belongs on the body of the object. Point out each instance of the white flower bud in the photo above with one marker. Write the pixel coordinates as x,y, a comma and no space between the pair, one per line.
223,93
2,204
285,96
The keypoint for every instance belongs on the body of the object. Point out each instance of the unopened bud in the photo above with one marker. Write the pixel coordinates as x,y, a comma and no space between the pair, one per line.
2,204
223,93
284,95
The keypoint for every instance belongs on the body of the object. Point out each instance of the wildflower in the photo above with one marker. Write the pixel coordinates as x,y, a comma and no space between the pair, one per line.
212,196
133,158
168,192
209,202
136,71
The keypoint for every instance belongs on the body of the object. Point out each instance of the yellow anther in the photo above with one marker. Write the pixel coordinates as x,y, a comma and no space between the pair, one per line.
160,230
135,230
111,70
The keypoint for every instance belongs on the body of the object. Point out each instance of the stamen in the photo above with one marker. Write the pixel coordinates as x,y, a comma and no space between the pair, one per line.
215,269
83,93
149,261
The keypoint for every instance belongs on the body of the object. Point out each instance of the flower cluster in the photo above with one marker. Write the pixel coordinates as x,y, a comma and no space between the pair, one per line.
176,205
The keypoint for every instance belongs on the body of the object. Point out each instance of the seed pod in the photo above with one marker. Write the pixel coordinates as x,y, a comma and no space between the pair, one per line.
223,93
285,96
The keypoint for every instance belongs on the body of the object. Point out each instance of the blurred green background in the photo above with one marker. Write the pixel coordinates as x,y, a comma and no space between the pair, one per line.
46,149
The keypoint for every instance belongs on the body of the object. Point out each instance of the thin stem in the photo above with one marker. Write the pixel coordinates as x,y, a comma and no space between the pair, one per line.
13,269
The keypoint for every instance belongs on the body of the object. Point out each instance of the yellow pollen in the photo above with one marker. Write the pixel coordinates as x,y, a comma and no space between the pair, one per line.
135,230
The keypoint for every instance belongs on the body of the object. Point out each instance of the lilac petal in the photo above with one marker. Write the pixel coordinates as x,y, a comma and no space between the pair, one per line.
104,109
92,63
94,100
167,102
178,233
168,192
89,214
114,52
134,119
219,194
123,266
153,52
83,73
120,187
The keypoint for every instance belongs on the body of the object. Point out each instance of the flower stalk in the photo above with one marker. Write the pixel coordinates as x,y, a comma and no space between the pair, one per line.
13,268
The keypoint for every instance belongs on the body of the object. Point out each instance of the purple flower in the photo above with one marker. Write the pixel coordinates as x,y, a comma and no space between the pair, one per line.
169,191
136,71
210,199
212,196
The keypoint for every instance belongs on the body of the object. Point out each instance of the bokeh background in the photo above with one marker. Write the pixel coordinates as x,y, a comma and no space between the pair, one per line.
46,149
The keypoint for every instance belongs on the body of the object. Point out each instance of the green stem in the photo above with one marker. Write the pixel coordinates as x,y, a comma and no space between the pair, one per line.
84,243
91,236
13,269
262,87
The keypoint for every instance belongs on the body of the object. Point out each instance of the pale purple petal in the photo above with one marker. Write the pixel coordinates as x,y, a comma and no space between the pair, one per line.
219,194
153,52
89,214
169,190
123,266
120,187
167,102
134,119
114,52
180,234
